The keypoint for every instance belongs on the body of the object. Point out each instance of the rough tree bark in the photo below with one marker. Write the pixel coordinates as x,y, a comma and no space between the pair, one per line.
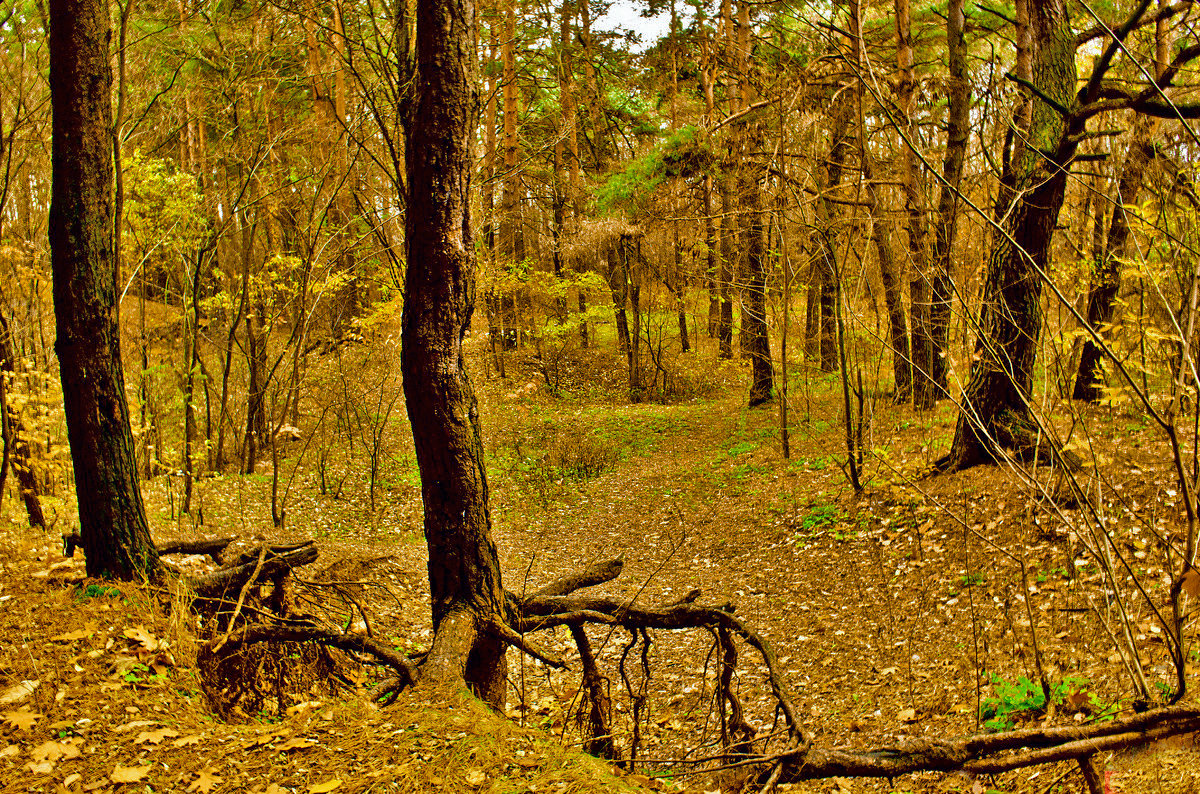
112,520
995,413
464,572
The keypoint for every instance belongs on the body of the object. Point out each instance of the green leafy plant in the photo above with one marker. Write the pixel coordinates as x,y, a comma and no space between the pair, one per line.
971,579
1011,700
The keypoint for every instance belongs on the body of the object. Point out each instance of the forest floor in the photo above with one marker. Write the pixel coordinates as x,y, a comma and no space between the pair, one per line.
908,609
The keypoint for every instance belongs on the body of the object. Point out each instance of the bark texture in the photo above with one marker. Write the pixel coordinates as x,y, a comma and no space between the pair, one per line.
995,412
115,537
464,572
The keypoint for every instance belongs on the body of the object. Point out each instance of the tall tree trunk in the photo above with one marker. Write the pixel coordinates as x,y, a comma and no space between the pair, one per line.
931,363
464,571
888,275
756,342
914,200
828,217
115,536
725,279
996,413
618,285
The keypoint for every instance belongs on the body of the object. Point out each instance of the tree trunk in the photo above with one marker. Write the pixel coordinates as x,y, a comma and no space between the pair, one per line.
464,572
618,285
1106,278
725,279
828,214
115,536
931,363
996,412
16,444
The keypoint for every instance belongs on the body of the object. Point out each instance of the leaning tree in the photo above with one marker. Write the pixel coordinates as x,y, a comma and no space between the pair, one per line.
112,521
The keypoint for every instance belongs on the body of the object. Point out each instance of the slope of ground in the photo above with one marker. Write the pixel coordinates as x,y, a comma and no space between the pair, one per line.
904,610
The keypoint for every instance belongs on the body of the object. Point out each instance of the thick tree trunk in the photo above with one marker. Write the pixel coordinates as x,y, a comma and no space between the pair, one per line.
115,536
464,572
890,278
996,412
1106,278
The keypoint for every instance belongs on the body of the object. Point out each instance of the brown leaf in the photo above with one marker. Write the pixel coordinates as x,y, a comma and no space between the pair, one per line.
295,743
139,634
22,720
53,751
71,636
323,788
1191,582
205,782
155,737
18,692
186,740
128,774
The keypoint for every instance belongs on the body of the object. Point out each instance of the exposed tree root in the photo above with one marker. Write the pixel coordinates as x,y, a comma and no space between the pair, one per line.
559,604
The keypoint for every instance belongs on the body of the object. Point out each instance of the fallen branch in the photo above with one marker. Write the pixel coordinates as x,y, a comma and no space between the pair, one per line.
279,560
988,753
213,547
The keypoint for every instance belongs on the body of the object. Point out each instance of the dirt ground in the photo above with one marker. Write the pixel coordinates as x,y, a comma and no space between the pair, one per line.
900,611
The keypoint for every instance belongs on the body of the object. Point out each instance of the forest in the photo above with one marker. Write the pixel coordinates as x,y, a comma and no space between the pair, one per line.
421,395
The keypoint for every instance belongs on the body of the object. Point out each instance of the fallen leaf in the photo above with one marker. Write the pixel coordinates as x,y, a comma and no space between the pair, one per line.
53,751
321,788
18,692
10,751
128,774
476,778
155,737
140,634
907,715
186,740
71,780
295,743
71,636
205,782
41,767
22,720
129,726
1191,583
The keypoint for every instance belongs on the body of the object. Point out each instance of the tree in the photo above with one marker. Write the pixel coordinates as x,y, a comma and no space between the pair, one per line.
464,572
113,529
996,414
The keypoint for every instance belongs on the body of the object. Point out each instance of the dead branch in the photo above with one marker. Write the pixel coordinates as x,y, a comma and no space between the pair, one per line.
279,560
989,753
405,670
213,547
597,573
